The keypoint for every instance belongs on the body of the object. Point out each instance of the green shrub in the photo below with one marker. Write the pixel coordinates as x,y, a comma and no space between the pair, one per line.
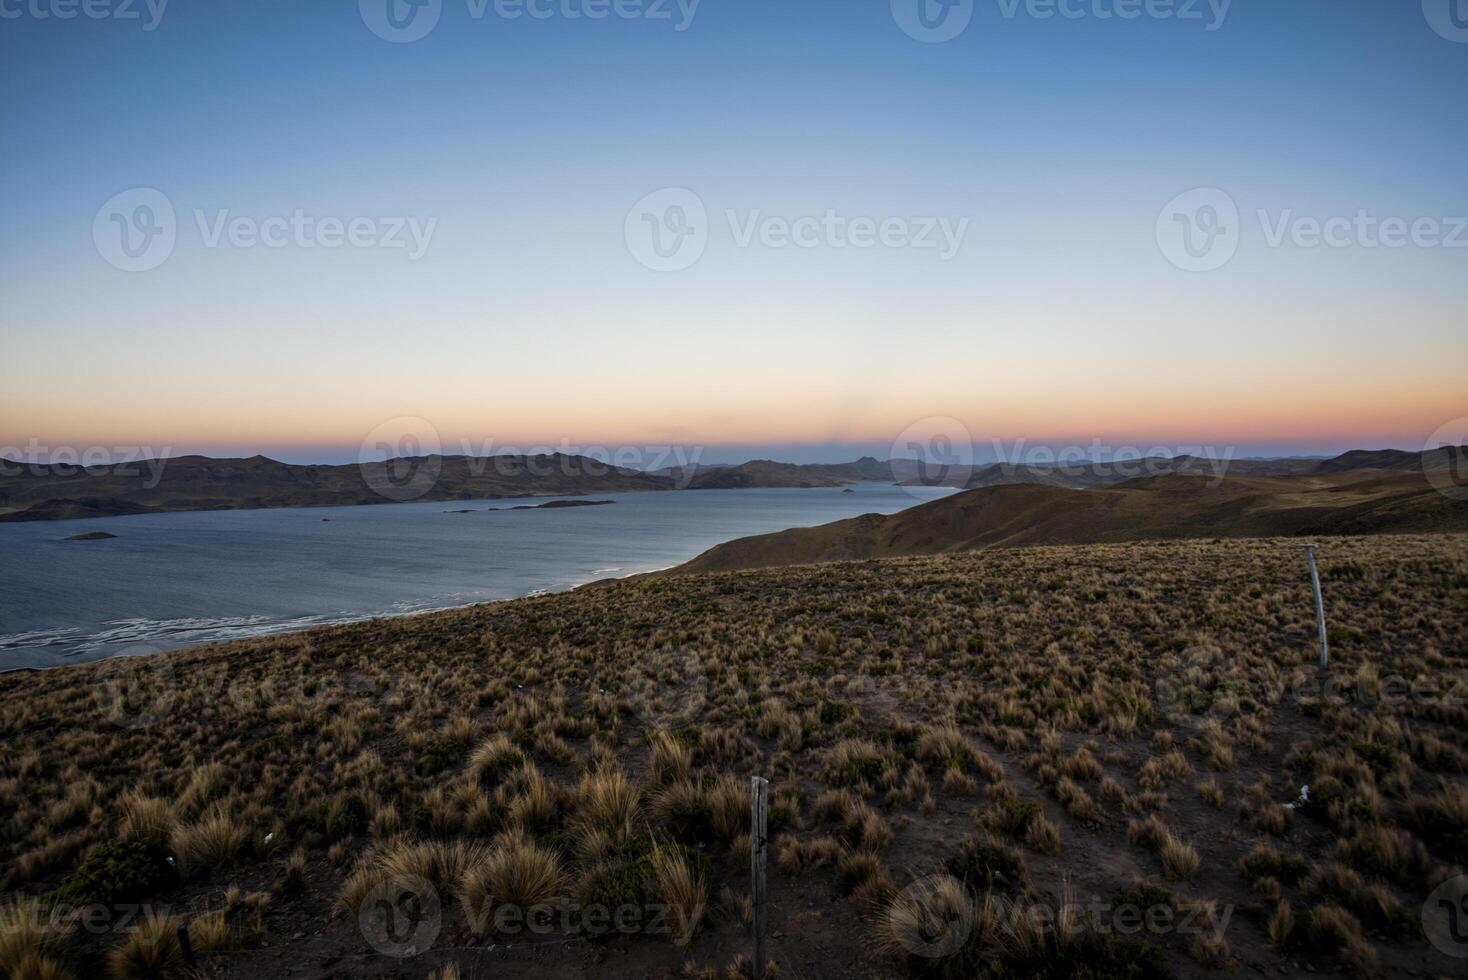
348,816
115,871
985,864
629,879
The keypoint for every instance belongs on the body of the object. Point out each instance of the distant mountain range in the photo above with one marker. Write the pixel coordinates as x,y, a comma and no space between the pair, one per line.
1358,493
768,473
203,483
30,492
40,492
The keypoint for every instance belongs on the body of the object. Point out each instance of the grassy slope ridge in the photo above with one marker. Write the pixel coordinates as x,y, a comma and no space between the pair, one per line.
1173,506
1036,721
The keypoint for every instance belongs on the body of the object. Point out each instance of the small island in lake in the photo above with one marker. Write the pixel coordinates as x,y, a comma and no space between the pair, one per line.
91,536
557,504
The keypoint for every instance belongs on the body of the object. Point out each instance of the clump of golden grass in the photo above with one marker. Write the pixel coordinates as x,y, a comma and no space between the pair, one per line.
672,761
956,782
684,891
1333,929
533,807
293,875
151,950
29,936
942,744
212,842
1211,949
37,967
1080,766
495,759
145,819
796,854
924,916
1179,860
1043,836
1077,801
1281,925
516,873
204,783
607,802
441,863
1440,818
1211,792
211,933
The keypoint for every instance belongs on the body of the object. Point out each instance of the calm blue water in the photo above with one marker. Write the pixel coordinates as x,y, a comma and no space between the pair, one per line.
172,580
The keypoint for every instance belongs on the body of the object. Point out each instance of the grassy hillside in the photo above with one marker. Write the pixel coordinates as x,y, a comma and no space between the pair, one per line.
1028,747
1175,506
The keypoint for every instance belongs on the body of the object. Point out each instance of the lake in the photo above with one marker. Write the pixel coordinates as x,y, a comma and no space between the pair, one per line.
174,580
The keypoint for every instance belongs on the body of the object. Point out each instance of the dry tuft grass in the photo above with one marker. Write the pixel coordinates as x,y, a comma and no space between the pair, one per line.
510,750
684,891
150,952
516,873
209,844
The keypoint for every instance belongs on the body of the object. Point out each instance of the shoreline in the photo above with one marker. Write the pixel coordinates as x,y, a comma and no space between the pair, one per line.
328,624
134,629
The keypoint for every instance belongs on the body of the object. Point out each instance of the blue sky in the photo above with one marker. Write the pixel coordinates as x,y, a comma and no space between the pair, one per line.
528,319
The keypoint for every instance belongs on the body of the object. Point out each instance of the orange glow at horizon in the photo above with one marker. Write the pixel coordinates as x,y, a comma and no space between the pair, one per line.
1175,411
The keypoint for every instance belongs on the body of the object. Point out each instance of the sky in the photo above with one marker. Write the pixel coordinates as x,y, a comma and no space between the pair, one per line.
806,229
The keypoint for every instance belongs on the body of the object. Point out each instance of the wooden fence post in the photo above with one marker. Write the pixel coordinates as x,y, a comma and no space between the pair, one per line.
759,792
1319,609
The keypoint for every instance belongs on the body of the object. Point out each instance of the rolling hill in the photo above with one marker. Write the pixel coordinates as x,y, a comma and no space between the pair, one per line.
1160,507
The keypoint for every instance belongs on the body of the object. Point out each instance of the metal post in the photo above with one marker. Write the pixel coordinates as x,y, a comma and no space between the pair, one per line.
759,791
1319,608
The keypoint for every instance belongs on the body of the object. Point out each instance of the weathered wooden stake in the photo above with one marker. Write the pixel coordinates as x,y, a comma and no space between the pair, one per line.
1319,608
759,792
